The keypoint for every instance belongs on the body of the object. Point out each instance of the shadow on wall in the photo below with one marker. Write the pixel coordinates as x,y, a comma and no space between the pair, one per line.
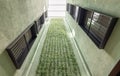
113,44
6,65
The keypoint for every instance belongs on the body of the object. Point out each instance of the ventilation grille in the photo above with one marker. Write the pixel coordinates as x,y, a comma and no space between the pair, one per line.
41,21
46,14
17,52
20,47
28,36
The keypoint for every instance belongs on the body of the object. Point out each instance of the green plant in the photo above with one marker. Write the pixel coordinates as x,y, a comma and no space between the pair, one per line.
57,57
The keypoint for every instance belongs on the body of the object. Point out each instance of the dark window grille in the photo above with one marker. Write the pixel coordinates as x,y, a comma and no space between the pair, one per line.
41,21
20,47
76,12
46,14
98,26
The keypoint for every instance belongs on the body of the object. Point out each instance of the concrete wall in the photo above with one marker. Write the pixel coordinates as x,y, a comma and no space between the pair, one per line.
99,61
15,16
110,7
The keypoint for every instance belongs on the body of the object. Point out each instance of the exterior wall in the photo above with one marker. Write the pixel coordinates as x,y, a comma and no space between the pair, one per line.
15,16
110,7
99,61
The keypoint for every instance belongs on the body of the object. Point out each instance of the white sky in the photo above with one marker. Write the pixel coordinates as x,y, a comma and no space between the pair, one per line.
57,1
57,8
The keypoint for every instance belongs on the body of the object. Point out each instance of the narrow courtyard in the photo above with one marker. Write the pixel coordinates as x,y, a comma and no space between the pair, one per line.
57,56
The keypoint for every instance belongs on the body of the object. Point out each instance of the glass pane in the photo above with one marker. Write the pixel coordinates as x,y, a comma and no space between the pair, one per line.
98,30
76,13
88,19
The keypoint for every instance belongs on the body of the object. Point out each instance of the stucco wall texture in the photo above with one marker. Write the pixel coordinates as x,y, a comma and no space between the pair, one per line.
15,16
99,61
